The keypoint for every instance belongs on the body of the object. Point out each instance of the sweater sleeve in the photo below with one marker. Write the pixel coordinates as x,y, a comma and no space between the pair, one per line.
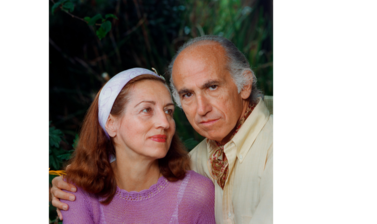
198,202
80,210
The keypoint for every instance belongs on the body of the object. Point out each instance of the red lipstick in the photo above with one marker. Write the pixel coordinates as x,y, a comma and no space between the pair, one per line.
158,138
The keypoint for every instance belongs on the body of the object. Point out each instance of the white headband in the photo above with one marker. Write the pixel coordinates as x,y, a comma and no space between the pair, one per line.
111,90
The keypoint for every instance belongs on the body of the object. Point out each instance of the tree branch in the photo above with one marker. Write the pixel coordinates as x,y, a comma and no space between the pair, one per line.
73,16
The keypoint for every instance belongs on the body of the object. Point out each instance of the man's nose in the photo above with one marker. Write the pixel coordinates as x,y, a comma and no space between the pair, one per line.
203,106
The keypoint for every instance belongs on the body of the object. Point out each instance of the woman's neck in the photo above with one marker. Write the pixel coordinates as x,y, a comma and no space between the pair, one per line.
133,174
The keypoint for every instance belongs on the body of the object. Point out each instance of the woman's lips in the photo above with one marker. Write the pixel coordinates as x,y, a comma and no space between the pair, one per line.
158,138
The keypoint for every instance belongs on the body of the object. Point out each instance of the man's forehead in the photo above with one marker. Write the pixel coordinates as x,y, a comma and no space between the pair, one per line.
200,62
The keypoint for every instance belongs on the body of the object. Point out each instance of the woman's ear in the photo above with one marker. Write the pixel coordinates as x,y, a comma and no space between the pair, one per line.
246,90
111,126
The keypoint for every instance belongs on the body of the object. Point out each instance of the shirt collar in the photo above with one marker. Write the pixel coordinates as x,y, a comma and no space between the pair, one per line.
249,131
253,125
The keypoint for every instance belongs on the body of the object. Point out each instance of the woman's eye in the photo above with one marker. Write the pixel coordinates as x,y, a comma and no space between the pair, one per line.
213,87
169,111
146,110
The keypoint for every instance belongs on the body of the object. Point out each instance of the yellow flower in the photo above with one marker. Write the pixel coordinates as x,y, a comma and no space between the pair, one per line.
56,172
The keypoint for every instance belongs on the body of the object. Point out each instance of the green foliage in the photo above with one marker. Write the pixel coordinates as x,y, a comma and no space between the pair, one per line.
190,143
105,26
95,18
56,5
57,155
103,30
54,150
64,4
110,16
69,6
249,27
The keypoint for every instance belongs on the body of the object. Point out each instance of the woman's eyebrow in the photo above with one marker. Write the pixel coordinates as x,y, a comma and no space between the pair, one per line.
168,104
146,101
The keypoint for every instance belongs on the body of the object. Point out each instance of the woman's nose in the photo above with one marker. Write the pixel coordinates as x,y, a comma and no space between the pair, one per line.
162,121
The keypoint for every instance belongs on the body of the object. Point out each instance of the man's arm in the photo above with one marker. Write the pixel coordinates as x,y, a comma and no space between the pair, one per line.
263,212
57,185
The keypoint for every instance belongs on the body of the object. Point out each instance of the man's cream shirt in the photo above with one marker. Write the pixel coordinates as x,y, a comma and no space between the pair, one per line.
247,194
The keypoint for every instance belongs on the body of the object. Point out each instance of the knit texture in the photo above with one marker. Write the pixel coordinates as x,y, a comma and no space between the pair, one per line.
190,200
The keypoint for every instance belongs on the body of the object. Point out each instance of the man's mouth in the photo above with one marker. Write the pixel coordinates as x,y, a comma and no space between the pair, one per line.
209,122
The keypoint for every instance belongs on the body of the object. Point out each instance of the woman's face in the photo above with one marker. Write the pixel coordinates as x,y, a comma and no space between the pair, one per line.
146,128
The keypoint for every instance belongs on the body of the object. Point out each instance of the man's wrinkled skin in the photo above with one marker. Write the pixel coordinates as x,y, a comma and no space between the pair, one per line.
208,96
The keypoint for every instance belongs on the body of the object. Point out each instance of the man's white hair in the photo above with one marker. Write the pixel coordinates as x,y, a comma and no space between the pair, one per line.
237,66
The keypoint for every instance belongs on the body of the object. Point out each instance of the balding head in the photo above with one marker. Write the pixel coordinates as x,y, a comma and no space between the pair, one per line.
236,63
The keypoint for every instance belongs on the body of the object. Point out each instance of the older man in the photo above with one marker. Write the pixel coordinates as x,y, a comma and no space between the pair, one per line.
213,83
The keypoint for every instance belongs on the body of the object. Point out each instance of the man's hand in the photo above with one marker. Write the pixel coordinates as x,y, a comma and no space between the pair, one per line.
57,185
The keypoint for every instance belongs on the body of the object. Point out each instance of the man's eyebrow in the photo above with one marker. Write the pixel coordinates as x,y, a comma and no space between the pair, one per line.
183,91
204,86
146,101
210,83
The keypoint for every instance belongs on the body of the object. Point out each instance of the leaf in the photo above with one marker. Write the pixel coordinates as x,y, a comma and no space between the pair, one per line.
100,33
104,29
69,6
106,26
56,5
111,16
66,155
87,19
94,19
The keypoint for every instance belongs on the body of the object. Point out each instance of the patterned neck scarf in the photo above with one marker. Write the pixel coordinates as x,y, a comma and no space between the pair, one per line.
218,160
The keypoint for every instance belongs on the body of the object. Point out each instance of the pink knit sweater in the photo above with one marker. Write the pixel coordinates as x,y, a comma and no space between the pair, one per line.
190,200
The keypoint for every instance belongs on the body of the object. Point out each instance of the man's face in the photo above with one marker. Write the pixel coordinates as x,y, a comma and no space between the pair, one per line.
207,91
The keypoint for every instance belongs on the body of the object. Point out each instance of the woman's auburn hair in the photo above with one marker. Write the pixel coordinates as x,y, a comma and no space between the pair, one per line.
90,168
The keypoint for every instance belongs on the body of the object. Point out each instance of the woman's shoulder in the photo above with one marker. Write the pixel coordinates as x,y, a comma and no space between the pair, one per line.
200,183
85,207
198,177
198,201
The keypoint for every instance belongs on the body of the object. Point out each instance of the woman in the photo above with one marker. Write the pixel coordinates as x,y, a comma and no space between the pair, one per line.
129,165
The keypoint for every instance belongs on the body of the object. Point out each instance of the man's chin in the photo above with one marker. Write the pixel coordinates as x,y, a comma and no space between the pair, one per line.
213,136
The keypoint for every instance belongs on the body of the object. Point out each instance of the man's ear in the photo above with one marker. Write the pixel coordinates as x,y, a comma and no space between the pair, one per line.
111,126
246,90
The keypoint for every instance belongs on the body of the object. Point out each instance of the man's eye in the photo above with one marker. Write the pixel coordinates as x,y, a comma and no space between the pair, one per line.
213,87
186,95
